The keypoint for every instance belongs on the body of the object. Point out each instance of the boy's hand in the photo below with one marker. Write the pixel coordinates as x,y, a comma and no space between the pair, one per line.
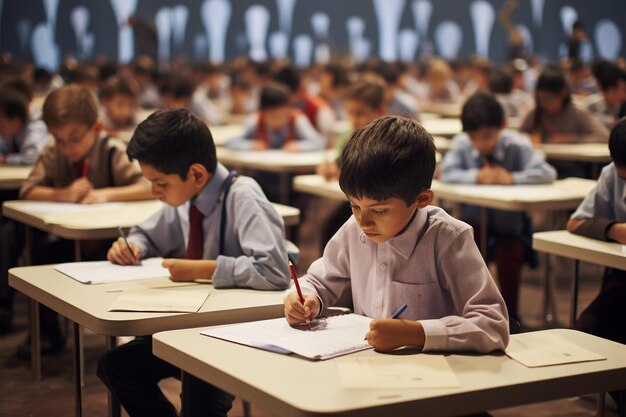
297,313
486,175
389,334
119,253
502,176
76,191
291,146
259,145
617,232
182,270
95,197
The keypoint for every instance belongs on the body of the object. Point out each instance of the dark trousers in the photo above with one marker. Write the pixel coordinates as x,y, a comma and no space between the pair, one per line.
132,372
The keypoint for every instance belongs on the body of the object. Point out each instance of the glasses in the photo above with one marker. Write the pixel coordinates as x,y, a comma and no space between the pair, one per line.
73,141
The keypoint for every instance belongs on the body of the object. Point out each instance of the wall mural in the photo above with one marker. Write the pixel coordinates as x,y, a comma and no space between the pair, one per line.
307,31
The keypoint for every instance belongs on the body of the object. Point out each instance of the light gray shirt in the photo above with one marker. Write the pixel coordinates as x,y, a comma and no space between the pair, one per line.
434,267
254,250
24,149
607,200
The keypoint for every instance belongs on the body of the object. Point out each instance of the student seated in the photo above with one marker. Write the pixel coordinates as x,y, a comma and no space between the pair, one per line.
82,165
487,153
515,102
277,125
556,120
398,102
177,91
21,138
176,152
602,215
440,85
606,104
397,249
118,104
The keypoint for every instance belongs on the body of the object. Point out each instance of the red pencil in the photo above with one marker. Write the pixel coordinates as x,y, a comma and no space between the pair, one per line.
295,281
85,168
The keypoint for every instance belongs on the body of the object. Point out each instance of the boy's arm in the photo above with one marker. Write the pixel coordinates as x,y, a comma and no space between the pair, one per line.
159,235
535,169
593,129
308,138
35,138
137,191
259,230
481,323
453,167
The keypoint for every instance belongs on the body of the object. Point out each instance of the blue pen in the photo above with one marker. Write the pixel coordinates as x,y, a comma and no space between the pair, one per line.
399,311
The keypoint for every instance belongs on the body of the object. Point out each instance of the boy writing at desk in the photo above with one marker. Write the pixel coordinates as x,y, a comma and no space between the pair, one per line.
396,249
215,226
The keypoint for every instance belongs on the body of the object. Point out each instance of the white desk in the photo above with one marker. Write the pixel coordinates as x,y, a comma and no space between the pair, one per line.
443,127
12,176
276,161
87,305
223,133
290,386
595,153
579,248
442,109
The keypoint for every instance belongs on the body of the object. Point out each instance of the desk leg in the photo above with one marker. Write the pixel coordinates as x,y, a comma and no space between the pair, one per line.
549,287
284,188
35,343
574,302
114,404
600,405
483,232
184,401
28,246
621,408
77,253
247,412
78,400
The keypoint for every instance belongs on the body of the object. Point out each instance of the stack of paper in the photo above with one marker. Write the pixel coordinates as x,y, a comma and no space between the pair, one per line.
101,272
159,300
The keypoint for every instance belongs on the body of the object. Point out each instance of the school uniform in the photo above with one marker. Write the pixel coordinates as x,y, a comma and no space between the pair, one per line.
25,147
404,105
253,256
597,105
433,266
509,233
319,113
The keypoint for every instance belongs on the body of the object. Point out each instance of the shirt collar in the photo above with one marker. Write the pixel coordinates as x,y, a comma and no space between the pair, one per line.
206,200
404,244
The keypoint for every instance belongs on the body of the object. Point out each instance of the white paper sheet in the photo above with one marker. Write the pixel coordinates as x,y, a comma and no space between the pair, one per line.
329,338
396,372
544,349
160,300
51,208
102,272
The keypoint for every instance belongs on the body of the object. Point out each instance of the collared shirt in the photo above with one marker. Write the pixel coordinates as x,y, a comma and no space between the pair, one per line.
108,167
404,105
514,153
308,138
572,120
607,200
434,267
254,250
597,105
26,146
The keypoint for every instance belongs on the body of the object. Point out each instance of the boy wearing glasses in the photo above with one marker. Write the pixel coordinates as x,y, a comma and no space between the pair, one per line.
84,166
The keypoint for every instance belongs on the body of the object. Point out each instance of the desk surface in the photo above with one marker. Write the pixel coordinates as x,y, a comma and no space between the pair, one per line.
87,305
93,222
585,152
560,195
275,160
443,127
309,388
564,243
12,176
223,133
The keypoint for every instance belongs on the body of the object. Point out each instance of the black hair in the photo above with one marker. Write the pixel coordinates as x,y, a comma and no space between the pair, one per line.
617,143
390,157
178,85
339,74
551,80
500,82
274,95
116,86
481,110
172,140
607,74
289,76
19,84
13,104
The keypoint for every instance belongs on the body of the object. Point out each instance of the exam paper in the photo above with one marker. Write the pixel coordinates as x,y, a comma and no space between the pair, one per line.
162,300
396,372
102,272
545,349
50,208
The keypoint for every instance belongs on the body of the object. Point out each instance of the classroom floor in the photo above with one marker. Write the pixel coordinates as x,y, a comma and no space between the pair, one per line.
53,395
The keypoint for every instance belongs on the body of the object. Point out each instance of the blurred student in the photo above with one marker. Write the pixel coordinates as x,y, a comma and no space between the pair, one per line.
178,92
397,101
118,104
440,85
607,104
516,102
487,153
334,80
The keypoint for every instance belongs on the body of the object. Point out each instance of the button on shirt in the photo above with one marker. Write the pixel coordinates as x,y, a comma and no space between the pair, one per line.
434,267
254,250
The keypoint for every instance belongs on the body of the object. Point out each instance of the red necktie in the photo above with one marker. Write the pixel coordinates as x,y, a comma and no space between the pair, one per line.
195,244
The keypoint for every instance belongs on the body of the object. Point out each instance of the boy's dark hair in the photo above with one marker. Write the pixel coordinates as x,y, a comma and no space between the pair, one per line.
289,76
274,95
481,110
617,143
172,140
70,103
390,157
19,84
500,82
178,85
607,74
339,73
369,90
13,104
551,80
116,86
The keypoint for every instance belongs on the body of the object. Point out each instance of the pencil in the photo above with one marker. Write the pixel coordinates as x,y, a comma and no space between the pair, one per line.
123,235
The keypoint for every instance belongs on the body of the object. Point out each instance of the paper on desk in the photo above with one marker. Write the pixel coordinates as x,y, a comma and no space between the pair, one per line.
101,272
49,208
160,300
396,372
544,349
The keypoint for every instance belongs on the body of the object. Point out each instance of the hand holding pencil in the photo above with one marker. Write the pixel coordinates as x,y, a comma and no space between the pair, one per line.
300,308
123,252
